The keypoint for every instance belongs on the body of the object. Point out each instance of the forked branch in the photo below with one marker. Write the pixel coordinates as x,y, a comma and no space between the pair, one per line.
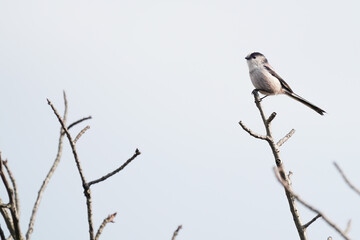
86,185
12,220
276,152
308,206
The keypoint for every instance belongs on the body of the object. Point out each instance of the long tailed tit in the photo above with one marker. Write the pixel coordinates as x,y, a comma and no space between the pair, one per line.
268,82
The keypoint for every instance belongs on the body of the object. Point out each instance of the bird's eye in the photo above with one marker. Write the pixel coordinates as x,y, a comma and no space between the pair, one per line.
254,57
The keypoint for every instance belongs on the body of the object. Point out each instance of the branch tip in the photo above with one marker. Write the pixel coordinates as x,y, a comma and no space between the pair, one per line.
176,232
347,181
137,152
272,116
285,138
248,130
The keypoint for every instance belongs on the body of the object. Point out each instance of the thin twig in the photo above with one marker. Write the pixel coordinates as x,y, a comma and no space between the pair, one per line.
5,212
346,179
176,232
2,235
348,226
108,219
103,178
272,116
49,174
81,133
87,191
78,121
311,208
284,139
13,182
267,123
248,130
311,221
13,210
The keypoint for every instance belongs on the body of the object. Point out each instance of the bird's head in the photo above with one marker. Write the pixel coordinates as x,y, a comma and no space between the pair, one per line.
255,59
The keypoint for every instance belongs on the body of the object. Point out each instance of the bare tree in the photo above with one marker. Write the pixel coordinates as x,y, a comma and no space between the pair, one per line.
10,210
284,178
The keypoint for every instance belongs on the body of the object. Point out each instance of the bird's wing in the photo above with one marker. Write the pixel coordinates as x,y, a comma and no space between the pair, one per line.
282,81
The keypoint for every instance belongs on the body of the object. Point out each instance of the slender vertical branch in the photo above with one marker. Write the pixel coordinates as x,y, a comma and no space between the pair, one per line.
5,212
276,152
87,191
49,174
2,235
13,211
14,185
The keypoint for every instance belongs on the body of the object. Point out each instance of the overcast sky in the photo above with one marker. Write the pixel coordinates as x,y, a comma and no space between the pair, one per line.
170,78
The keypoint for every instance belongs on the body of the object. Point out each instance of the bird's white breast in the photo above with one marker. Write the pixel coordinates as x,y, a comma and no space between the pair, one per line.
264,81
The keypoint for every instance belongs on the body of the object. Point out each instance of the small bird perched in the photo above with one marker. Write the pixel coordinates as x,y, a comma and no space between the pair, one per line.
268,82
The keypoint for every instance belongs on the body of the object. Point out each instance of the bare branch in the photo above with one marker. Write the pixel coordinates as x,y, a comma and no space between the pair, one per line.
311,208
248,130
346,179
49,174
272,116
176,232
5,212
311,221
2,235
103,178
284,139
267,123
13,182
87,191
276,152
78,121
81,133
109,218
13,210
348,226
72,144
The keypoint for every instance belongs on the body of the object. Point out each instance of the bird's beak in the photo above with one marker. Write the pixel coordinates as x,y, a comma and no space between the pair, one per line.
247,57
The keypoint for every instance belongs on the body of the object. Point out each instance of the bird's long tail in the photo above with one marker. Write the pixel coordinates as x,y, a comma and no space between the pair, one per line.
304,101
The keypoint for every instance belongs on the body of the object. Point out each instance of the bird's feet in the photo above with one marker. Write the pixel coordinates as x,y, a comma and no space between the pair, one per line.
255,91
263,97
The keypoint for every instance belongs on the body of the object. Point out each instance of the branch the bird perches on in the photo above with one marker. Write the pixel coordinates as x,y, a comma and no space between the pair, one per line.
284,178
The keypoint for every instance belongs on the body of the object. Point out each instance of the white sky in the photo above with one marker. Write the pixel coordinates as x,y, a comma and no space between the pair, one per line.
170,78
